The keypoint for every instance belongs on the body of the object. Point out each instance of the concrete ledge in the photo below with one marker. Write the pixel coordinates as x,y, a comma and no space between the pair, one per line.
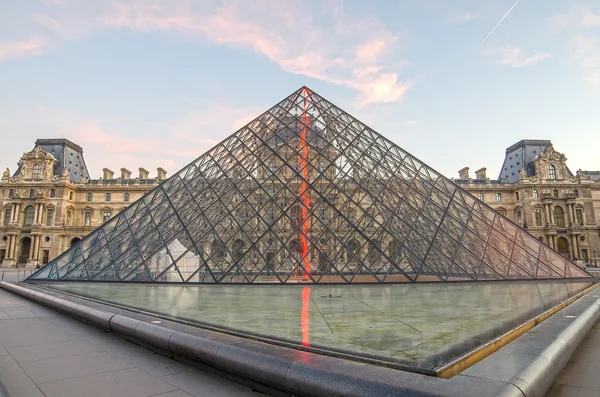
525,367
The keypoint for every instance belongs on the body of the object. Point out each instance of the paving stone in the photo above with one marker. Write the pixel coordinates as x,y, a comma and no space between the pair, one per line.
21,313
205,385
131,383
52,350
147,361
176,393
15,381
72,367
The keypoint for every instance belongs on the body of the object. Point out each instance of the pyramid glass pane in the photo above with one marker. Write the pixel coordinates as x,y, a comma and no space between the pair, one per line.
305,193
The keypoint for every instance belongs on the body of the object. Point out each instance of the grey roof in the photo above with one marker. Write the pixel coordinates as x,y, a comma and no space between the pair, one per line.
520,156
68,155
595,175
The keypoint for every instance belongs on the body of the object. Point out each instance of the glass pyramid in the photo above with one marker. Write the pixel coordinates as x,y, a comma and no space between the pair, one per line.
306,193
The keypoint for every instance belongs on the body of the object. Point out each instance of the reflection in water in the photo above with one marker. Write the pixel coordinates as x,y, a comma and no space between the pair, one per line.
421,325
304,319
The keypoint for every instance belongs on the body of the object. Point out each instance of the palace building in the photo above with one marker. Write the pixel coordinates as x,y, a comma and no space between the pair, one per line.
537,190
50,202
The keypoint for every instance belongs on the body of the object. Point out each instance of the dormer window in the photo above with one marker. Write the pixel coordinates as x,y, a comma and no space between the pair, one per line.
551,172
36,171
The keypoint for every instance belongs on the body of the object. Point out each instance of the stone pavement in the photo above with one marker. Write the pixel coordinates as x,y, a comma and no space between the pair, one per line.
12,274
45,353
581,376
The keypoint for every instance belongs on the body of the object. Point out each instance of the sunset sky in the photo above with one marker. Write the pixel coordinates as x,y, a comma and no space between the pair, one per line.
157,83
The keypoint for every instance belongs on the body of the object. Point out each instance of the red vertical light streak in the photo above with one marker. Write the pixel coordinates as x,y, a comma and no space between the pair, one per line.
302,160
304,322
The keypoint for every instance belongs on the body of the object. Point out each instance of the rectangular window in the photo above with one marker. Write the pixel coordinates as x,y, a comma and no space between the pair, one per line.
519,219
498,197
31,193
90,196
107,196
7,215
579,216
52,193
535,193
88,218
126,196
480,196
50,217
11,193
106,215
517,194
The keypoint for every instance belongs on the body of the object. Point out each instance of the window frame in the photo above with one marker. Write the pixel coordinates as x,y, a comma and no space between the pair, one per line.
36,172
551,172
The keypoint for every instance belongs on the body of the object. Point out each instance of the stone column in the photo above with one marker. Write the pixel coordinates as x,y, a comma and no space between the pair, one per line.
14,247
15,215
9,247
31,247
583,215
36,208
575,248
570,211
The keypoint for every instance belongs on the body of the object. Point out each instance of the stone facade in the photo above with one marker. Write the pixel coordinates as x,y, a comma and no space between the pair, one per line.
50,202
537,191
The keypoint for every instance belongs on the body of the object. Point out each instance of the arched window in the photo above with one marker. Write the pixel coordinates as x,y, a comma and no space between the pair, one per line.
29,215
559,216
36,171
576,193
70,195
353,251
551,172
536,193
237,249
52,193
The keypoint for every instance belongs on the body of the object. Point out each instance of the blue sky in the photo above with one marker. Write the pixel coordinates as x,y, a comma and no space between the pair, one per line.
158,82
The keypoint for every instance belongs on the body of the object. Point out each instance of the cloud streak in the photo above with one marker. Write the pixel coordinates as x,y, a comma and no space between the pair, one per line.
23,48
514,56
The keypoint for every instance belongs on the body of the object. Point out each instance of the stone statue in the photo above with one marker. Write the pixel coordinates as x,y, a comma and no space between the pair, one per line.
6,174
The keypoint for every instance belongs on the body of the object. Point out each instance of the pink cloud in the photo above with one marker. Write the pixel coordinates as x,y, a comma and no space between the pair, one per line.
337,54
23,48
514,56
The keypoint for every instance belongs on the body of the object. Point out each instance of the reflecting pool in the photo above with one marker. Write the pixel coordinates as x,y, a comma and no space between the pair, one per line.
420,326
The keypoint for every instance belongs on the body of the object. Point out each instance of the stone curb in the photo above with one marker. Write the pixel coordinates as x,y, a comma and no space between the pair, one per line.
301,373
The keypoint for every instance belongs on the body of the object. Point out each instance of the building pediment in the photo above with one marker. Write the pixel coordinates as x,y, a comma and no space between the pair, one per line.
37,154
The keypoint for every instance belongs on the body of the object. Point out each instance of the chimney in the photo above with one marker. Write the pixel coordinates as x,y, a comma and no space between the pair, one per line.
107,174
125,173
162,174
464,173
143,173
480,174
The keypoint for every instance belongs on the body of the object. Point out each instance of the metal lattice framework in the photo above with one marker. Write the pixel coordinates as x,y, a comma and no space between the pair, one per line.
307,193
